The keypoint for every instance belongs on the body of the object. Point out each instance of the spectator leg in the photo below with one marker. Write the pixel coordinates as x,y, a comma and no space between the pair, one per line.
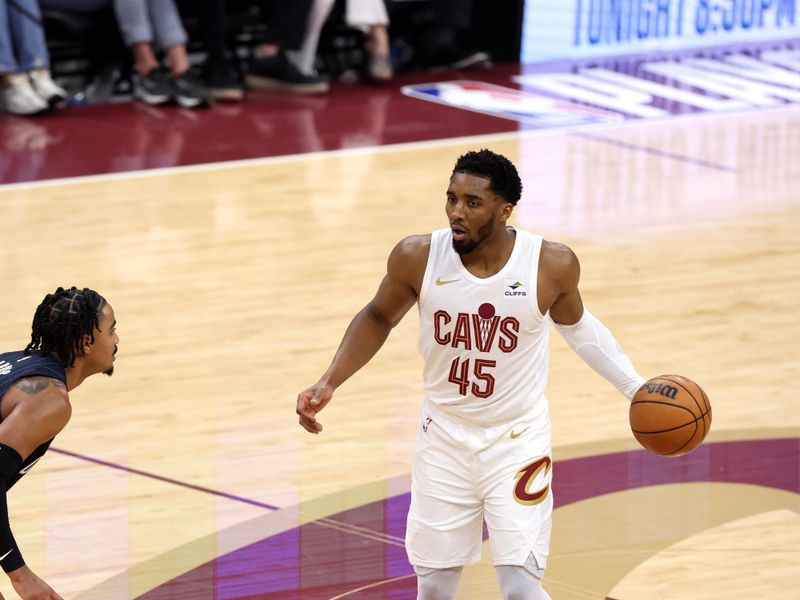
27,35
214,25
8,63
169,33
287,23
134,22
304,57
178,59
364,13
144,58
167,23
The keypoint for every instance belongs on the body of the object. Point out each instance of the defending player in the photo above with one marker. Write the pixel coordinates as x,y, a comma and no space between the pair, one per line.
487,293
74,336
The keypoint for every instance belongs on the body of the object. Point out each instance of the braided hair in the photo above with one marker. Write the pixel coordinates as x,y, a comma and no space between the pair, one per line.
501,172
63,319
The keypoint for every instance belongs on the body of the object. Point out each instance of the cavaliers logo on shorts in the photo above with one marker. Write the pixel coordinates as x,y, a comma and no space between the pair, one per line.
525,477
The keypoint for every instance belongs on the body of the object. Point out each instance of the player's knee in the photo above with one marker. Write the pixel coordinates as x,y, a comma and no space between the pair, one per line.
437,584
519,583
517,595
428,589
521,588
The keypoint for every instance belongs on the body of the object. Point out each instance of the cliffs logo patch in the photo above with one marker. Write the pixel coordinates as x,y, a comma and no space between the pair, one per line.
508,103
515,288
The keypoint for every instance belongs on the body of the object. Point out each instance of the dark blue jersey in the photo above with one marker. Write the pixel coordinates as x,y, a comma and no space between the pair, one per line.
13,367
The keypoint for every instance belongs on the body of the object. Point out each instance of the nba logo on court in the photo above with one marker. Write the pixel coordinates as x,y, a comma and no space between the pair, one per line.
508,103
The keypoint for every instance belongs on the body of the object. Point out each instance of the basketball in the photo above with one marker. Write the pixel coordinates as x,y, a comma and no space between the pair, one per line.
670,415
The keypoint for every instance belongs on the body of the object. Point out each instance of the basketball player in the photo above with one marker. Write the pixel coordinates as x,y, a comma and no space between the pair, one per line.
74,336
486,294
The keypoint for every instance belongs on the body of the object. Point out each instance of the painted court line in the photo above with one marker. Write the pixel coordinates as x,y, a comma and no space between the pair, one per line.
364,532
177,482
655,152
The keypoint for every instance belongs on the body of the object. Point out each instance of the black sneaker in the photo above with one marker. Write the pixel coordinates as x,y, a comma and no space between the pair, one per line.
278,73
188,92
154,88
222,81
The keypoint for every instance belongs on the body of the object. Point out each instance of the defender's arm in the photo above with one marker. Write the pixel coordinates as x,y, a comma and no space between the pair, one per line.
38,409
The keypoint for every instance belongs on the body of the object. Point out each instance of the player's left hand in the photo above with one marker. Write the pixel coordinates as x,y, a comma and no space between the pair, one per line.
30,587
310,402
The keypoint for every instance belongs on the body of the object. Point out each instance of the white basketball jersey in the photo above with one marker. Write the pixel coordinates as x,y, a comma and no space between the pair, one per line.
484,341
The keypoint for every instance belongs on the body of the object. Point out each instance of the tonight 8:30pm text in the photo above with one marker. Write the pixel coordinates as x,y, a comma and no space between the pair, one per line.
607,22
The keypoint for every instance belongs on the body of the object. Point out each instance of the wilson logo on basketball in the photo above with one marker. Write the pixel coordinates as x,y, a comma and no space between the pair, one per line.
659,388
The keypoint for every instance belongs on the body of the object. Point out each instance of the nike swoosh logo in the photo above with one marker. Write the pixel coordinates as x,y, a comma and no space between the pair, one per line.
440,281
28,468
516,434
6,554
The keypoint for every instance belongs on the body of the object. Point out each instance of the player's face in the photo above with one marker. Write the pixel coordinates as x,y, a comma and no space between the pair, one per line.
106,341
473,210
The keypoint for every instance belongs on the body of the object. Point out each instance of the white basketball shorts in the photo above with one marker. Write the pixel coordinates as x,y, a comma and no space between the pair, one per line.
463,474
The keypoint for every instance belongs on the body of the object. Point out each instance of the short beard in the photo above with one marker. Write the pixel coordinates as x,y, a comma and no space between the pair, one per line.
467,246
110,372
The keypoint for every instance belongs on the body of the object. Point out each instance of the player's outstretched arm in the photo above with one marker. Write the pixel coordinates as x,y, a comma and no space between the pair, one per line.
584,333
39,409
369,329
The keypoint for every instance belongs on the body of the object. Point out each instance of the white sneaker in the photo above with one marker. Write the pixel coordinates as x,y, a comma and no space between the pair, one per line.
47,89
19,97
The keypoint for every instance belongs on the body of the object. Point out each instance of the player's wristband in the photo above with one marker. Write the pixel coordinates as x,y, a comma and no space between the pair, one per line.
593,342
10,556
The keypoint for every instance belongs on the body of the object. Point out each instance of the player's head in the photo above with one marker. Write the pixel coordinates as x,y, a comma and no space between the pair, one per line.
484,189
501,173
74,323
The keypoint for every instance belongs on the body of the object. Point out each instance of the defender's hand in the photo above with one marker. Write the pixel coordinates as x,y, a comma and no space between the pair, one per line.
30,587
310,402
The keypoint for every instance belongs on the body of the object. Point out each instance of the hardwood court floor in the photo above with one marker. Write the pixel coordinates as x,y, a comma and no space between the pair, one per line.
232,288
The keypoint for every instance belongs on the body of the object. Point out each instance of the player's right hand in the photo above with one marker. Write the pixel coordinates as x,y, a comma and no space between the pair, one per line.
31,587
310,402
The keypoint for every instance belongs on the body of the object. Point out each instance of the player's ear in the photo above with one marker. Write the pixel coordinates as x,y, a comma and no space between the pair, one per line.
86,344
506,210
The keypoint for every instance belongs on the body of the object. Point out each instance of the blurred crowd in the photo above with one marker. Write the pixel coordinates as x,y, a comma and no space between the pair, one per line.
285,57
